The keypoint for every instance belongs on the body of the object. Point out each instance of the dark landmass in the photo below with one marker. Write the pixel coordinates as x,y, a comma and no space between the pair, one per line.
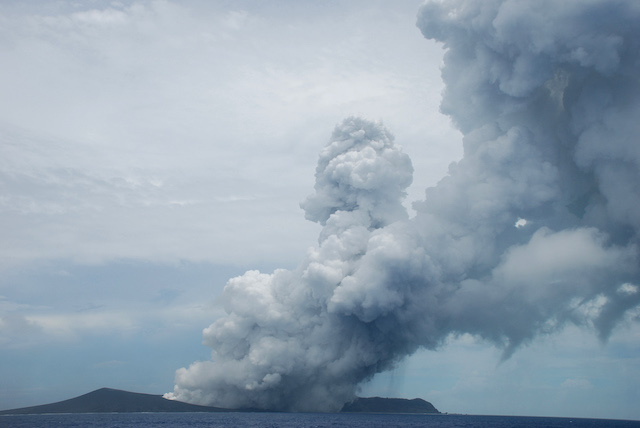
389,405
107,400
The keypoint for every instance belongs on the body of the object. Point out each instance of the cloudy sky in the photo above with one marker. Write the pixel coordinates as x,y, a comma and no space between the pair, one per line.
151,150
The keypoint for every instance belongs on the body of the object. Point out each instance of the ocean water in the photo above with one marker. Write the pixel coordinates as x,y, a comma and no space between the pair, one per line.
297,420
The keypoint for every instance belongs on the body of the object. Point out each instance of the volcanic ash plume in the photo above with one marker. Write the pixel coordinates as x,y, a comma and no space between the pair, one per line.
287,342
536,227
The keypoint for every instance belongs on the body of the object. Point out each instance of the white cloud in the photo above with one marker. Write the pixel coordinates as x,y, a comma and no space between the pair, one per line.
105,102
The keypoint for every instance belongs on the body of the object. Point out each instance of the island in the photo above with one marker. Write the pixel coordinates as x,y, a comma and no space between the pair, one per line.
389,405
108,400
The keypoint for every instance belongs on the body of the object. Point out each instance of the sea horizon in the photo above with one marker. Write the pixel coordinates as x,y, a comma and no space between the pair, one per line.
302,419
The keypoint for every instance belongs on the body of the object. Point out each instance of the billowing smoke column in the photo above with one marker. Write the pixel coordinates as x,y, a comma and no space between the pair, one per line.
537,226
290,340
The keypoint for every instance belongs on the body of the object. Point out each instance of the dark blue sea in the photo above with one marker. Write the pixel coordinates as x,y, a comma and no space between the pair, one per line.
297,420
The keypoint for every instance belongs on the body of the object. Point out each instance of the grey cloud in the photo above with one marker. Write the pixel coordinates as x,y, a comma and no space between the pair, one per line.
546,94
